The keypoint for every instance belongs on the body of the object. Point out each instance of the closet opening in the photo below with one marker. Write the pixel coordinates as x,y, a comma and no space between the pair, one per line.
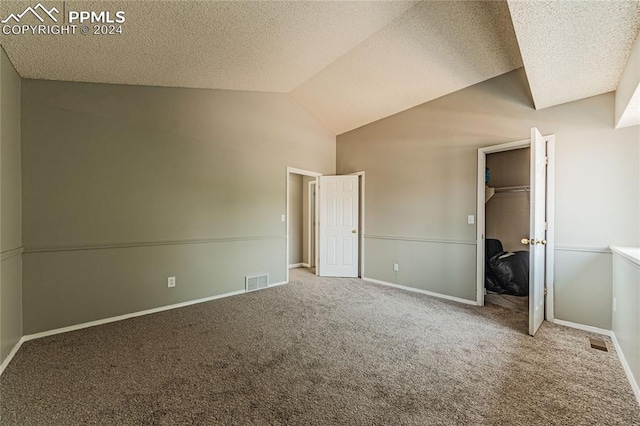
507,223
515,227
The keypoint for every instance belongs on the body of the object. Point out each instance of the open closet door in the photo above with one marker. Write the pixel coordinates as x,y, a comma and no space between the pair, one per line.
339,228
537,236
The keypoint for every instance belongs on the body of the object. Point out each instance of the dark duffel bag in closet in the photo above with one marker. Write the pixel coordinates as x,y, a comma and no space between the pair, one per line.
511,271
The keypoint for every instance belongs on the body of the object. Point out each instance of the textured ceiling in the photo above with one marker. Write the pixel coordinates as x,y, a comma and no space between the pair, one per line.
627,109
433,49
348,62
574,49
268,46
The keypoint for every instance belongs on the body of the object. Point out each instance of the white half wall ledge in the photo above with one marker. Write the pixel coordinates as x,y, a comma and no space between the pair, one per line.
627,112
630,253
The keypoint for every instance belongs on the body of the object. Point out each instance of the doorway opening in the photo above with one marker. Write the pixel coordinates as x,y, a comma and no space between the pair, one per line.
507,220
301,229
325,223
515,231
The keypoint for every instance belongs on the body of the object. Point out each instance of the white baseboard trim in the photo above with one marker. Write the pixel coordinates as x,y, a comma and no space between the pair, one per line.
625,365
417,290
13,352
127,316
583,327
277,284
298,265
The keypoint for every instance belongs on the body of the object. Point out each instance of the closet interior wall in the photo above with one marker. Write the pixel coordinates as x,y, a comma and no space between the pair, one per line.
507,211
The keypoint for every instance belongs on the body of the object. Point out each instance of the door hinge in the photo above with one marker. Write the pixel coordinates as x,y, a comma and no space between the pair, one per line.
546,160
546,226
545,290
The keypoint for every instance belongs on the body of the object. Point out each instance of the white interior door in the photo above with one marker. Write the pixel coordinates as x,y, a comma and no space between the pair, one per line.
339,227
537,237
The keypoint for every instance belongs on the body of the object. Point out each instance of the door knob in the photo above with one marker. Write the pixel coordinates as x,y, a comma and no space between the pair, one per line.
354,232
532,241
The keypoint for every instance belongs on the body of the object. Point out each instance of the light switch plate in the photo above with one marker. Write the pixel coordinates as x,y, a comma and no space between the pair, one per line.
471,219
282,218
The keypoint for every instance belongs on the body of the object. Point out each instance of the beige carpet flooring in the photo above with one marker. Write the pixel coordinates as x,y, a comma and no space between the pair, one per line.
318,351
519,304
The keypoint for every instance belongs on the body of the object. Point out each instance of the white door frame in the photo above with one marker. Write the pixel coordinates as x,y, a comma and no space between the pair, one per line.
311,225
361,221
481,225
295,171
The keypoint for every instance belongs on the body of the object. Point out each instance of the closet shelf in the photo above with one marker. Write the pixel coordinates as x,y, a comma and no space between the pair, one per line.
523,188
490,191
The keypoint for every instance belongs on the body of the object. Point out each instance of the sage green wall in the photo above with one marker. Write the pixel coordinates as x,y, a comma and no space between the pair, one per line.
421,185
10,206
124,186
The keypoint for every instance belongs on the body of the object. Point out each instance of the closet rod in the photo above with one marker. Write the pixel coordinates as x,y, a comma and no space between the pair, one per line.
524,188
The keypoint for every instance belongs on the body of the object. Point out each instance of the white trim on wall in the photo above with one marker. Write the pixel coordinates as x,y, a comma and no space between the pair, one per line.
13,352
131,315
583,327
125,245
6,255
102,321
11,253
601,250
420,240
626,367
417,290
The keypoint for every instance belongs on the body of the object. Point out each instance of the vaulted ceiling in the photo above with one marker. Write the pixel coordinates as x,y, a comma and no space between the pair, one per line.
348,63
574,49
